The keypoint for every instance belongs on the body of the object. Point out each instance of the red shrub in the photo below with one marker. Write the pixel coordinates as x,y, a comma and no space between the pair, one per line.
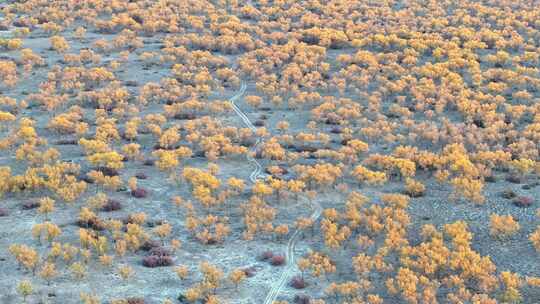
211,241
302,299
112,205
153,261
107,171
530,186
277,260
66,142
250,271
135,301
166,261
513,179
94,223
333,120
304,148
141,175
523,201
490,179
508,194
267,255
185,116
131,83
298,283
3,212
150,244
139,193
160,251
336,130
30,205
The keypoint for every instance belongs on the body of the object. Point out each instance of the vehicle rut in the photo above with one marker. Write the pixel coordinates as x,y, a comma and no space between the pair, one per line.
278,285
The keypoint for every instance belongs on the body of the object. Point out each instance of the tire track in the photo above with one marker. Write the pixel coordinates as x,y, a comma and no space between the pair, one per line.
278,285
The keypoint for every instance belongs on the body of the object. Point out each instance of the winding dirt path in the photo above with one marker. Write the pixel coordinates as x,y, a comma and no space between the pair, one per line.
291,244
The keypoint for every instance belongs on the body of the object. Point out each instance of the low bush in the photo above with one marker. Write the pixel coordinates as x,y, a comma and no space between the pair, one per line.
302,299
111,205
30,205
211,241
298,282
530,186
182,298
150,244
3,212
66,142
249,271
185,116
266,255
304,148
479,123
21,23
131,83
153,261
128,301
160,251
490,179
141,175
333,121
513,179
523,201
139,193
336,130
93,223
107,171
277,260
135,301
508,194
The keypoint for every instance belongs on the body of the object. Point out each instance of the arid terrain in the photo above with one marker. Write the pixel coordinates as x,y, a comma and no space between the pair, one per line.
269,152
